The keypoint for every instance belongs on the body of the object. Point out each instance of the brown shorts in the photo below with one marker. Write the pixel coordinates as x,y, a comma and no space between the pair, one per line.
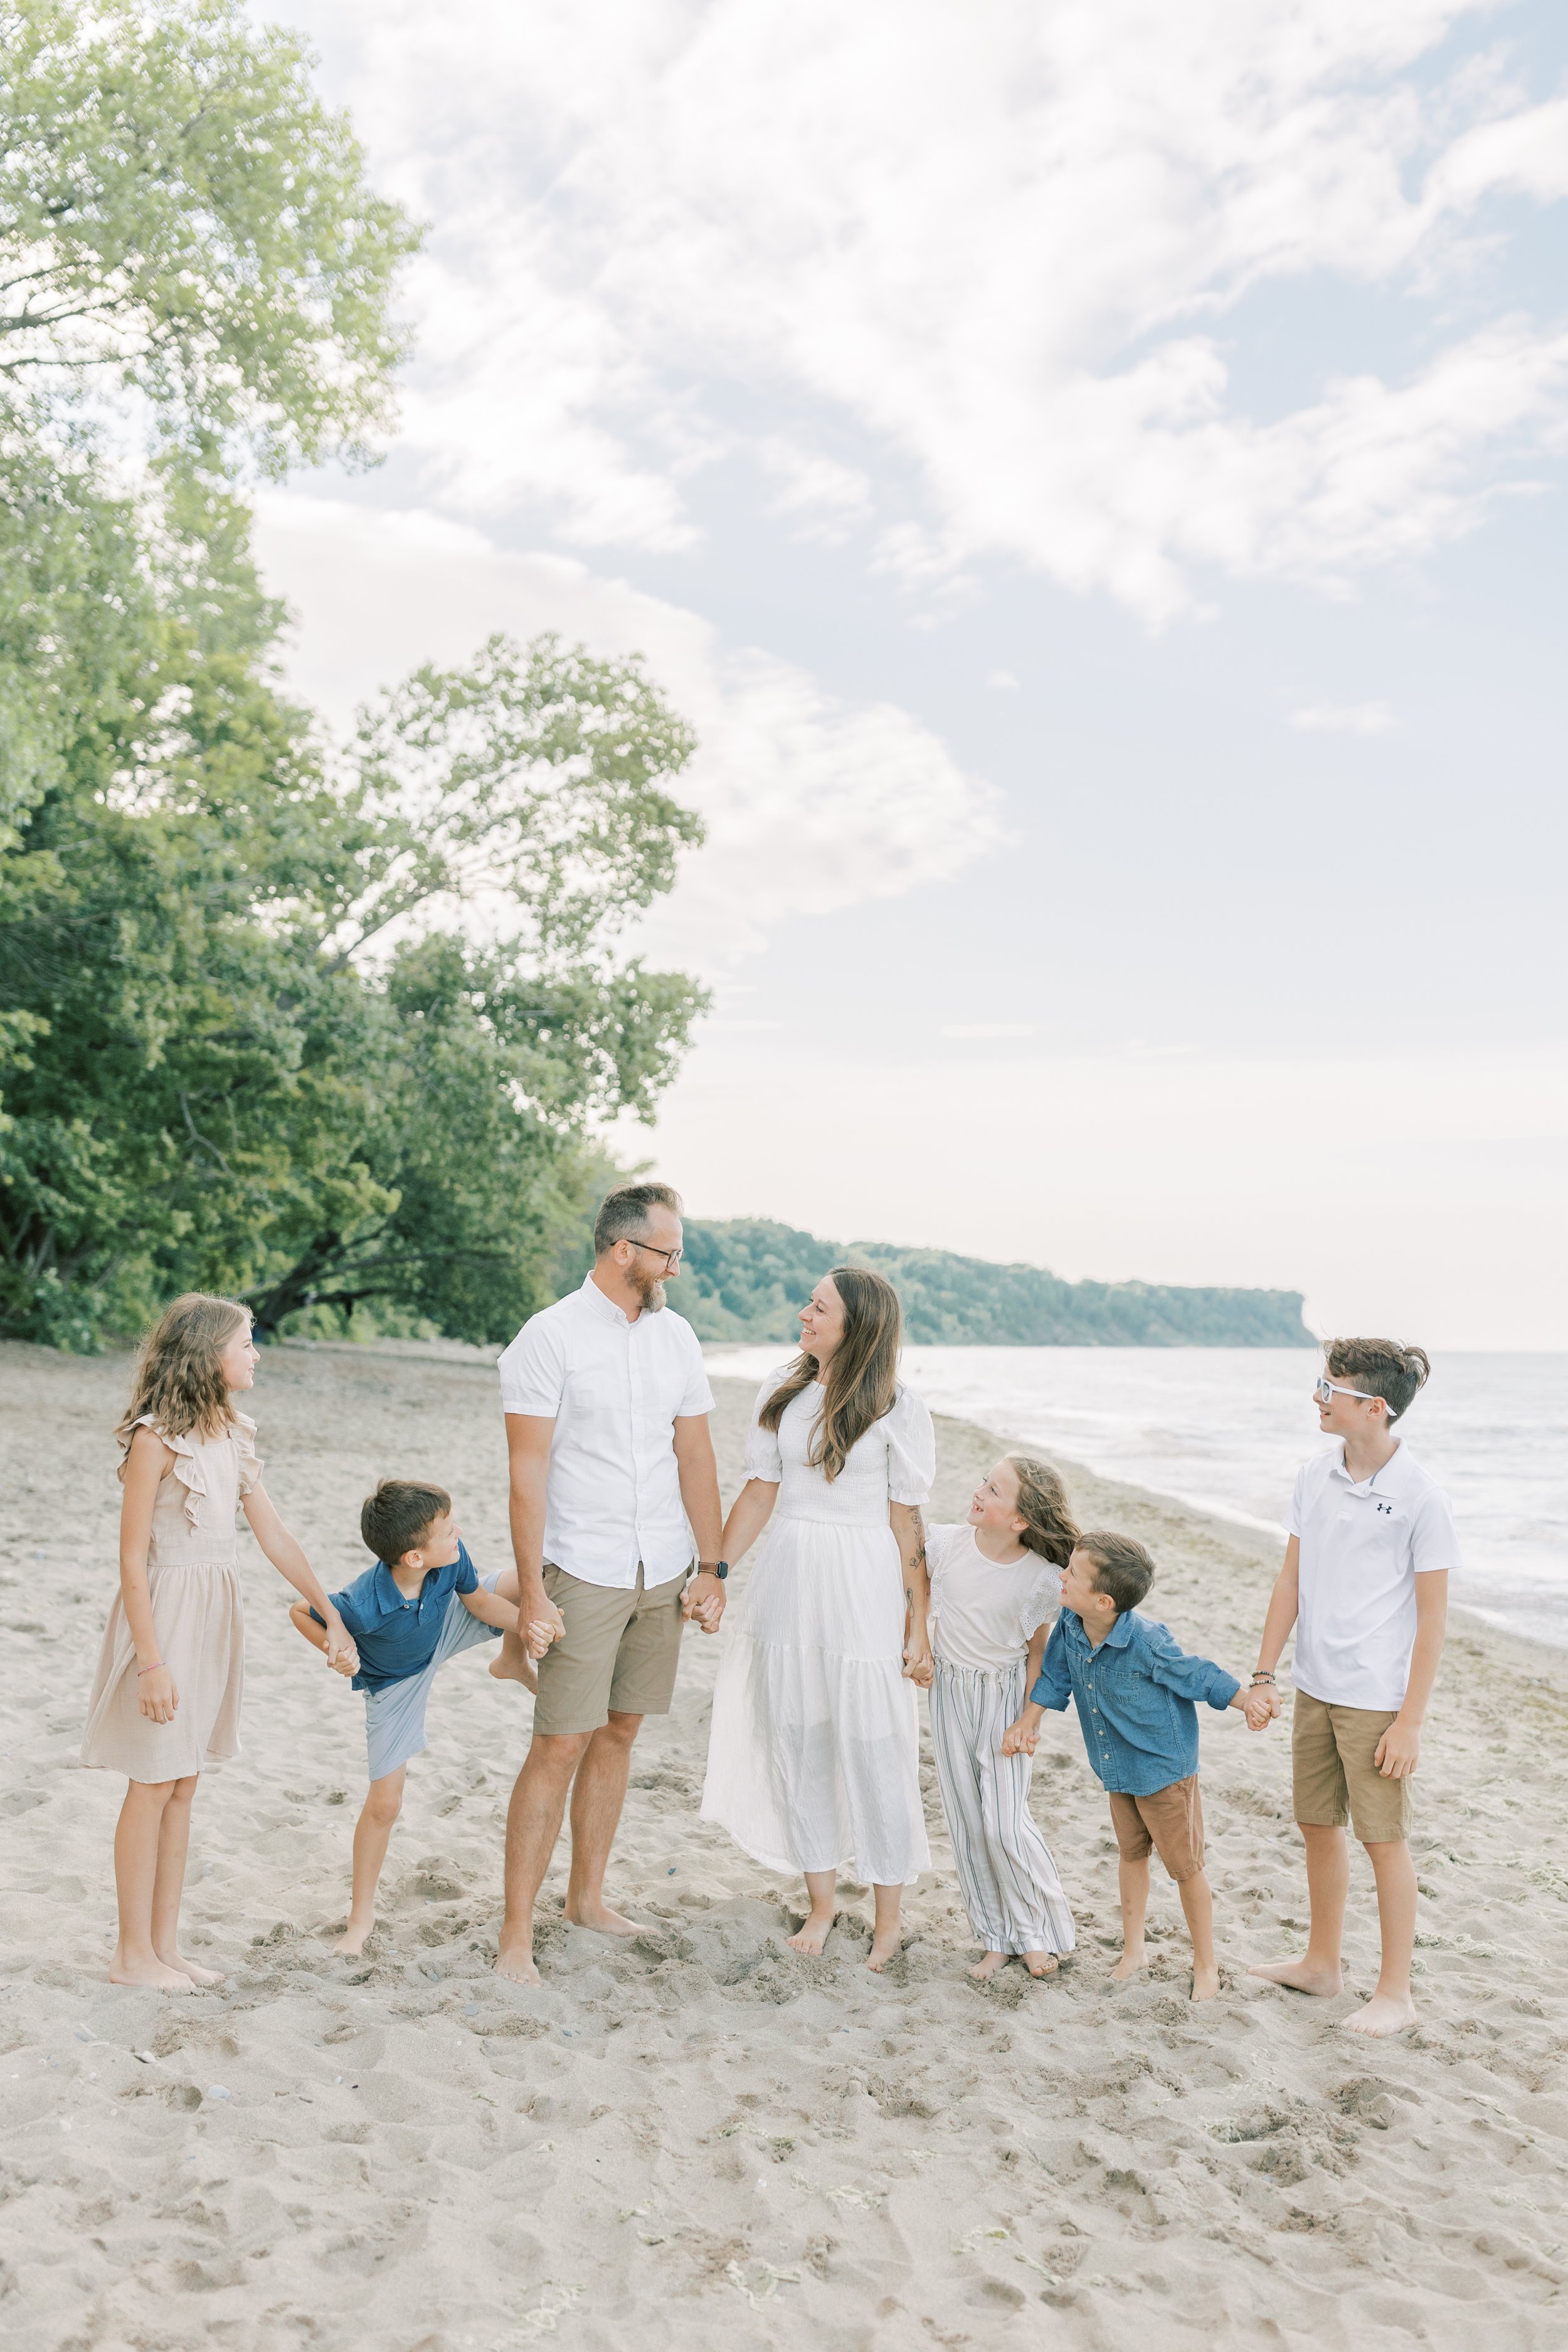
1332,1775
619,1652
1171,1822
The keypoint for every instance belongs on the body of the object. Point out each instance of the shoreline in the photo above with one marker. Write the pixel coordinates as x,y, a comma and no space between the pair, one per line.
700,2130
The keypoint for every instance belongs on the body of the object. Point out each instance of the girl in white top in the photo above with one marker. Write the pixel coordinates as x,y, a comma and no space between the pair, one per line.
165,1699
812,1760
995,1585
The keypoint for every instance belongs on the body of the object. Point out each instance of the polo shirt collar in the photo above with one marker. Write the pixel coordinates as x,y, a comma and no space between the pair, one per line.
606,1308
385,1590
1388,1480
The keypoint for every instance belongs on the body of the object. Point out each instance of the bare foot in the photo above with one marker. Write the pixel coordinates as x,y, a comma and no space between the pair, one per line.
1386,2013
989,1965
1129,1965
192,1969
883,1949
812,1935
604,1921
508,1667
1301,1976
1205,1984
150,1971
515,1962
353,1939
1040,1964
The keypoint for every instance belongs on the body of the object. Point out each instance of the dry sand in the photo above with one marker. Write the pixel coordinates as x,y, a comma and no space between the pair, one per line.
702,2139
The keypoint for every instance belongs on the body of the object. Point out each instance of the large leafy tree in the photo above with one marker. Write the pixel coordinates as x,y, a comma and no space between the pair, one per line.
246,1039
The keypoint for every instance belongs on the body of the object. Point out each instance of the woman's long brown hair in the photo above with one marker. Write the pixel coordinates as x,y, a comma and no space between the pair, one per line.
862,1371
179,1378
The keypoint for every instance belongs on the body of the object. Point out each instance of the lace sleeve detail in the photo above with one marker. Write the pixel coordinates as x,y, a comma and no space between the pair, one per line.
250,1462
1045,1600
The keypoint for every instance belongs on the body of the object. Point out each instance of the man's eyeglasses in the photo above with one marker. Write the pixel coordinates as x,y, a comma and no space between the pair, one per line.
1325,1389
671,1257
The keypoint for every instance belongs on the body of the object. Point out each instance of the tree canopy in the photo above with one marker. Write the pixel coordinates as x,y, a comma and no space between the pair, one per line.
319,1024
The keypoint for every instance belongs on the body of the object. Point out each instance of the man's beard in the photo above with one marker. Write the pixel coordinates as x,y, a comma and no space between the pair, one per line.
649,1289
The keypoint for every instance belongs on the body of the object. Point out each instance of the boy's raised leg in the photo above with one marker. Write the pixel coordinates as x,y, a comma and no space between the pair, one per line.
1133,1884
1197,1909
1390,2009
1327,1888
382,1803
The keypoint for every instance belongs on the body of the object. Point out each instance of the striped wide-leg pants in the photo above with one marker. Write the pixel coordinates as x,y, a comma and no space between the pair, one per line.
1005,1874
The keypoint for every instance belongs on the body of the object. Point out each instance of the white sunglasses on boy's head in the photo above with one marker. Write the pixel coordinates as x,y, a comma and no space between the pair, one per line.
1325,1389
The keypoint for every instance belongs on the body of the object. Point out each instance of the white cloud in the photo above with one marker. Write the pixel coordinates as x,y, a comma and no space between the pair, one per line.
1002,681
1343,719
812,803
987,1029
827,499
997,240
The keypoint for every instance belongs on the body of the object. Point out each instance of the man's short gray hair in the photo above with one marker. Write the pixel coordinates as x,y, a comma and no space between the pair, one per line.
623,1213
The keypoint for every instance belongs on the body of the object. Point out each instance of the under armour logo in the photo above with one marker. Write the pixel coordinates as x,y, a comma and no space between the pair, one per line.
1386,1508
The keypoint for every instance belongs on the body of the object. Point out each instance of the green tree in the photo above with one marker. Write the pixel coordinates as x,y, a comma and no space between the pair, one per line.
180,217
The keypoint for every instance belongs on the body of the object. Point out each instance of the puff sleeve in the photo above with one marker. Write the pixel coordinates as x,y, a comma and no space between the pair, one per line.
911,1449
764,1457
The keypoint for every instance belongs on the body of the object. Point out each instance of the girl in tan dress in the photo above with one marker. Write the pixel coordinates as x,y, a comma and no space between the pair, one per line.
165,1699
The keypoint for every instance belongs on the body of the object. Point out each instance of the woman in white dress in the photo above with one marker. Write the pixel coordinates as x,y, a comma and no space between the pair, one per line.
812,1760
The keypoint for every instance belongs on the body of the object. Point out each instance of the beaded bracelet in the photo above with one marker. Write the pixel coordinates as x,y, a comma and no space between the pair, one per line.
152,1669
1261,1676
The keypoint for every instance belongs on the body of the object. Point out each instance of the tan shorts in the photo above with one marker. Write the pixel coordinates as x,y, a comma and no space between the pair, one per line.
620,1650
1171,1822
1333,1777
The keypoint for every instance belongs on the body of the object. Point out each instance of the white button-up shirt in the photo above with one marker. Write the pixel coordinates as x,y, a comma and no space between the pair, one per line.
614,1390
1364,1544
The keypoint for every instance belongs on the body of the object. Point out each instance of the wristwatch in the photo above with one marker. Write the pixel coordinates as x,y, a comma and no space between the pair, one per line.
719,1567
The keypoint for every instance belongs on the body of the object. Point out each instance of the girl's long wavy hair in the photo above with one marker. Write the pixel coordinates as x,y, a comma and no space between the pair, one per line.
862,1372
179,1375
1051,1529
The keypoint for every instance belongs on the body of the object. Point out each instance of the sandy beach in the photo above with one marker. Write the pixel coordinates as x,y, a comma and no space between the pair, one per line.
703,2140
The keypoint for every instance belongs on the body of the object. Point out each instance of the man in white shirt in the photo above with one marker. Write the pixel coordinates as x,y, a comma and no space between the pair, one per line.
1365,1584
613,1474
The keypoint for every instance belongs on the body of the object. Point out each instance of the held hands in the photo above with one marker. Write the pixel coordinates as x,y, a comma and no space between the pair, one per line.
342,1656
703,1603
540,1630
1399,1750
1022,1738
917,1667
156,1695
1261,1703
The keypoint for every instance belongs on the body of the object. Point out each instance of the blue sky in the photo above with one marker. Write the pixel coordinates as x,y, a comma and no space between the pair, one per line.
1094,475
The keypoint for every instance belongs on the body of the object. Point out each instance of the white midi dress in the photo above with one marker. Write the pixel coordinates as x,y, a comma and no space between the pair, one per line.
193,1579
814,1755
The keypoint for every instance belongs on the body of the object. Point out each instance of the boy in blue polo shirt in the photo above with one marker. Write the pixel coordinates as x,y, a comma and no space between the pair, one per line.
1134,1692
422,1604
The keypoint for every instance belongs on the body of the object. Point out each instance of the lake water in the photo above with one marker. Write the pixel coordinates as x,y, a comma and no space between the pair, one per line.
1224,1428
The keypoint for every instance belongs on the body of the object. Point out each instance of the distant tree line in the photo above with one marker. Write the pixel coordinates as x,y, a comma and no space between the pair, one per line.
250,1039
745,1279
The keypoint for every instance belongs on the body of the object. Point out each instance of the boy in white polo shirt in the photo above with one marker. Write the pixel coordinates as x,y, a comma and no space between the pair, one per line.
1365,1584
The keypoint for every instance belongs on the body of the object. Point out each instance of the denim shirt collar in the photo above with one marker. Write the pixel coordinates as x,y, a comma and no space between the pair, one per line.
1117,1638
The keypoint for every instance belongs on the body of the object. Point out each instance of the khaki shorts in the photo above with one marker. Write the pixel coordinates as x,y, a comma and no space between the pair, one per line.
620,1650
1171,1822
1333,1777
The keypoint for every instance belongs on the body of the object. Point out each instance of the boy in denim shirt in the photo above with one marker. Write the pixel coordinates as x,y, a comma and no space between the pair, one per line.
1135,1691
